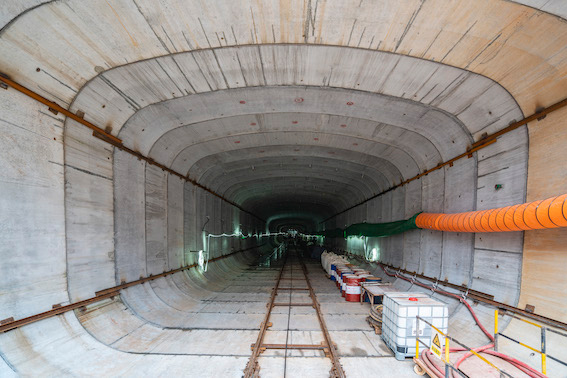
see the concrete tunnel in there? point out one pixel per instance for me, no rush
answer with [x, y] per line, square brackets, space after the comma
[133, 129]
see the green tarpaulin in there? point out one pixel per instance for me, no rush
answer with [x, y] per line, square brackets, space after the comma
[335, 233]
[373, 230]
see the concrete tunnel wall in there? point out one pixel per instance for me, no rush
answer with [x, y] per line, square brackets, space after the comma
[79, 216]
[112, 329]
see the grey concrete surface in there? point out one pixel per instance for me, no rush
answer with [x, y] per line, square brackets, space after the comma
[295, 110]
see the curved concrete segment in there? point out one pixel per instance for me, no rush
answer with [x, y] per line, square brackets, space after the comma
[294, 111]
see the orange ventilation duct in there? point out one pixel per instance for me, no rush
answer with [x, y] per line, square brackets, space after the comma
[549, 213]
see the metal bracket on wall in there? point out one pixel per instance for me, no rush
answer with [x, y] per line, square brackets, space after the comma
[485, 141]
[99, 133]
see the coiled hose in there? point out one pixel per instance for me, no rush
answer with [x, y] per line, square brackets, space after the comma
[375, 316]
[426, 354]
[376, 313]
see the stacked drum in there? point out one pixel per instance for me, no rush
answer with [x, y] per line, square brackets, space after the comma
[347, 277]
[352, 288]
[344, 272]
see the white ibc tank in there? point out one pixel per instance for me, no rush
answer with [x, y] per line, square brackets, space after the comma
[399, 320]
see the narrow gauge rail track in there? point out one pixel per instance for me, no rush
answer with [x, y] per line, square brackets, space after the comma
[252, 369]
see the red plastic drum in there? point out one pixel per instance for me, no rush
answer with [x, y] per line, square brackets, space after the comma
[352, 288]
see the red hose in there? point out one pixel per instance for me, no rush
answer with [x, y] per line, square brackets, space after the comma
[484, 349]
[468, 354]
[519, 364]
[433, 367]
[446, 293]
[426, 358]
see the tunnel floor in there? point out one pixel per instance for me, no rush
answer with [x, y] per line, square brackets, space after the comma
[361, 352]
[160, 329]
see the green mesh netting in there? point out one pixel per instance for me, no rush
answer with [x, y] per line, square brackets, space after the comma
[335, 233]
[373, 230]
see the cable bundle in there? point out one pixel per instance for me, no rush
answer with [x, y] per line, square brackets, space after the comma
[375, 318]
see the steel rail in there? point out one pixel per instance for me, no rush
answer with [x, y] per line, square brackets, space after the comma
[483, 142]
[111, 139]
[475, 295]
[10, 324]
[293, 304]
[337, 369]
[252, 366]
[292, 346]
[327, 346]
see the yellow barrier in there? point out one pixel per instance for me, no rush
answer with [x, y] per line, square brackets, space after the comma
[542, 352]
[448, 365]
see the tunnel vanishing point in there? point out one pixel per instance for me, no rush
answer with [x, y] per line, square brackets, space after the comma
[159, 157]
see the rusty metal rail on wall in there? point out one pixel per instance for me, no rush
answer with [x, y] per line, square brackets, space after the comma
[483, 142]
[10, 324]
[109, 138]
[473, 294]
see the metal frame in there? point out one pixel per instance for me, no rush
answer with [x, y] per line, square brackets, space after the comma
[543, 346]
[448, 365]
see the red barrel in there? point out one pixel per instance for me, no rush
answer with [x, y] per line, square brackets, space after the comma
[344, 272]
[352, 288]
[346, 277]
[338, 271]
[341, 269]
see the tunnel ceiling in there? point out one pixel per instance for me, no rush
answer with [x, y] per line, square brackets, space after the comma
[293, 110]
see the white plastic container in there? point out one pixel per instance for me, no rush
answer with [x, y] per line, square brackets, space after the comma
[399, 324]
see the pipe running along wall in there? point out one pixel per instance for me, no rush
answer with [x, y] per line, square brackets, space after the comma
[542, 214]
[548, 213]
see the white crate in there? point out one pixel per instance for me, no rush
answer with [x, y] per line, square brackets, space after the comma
[399, 320]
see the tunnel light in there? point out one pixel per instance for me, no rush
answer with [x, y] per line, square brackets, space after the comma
[203, 260]
[374, 254]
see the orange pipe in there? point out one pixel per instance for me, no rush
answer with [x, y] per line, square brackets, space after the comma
[500, 220]
[509, 219]
[558, 211]
[549, 213]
